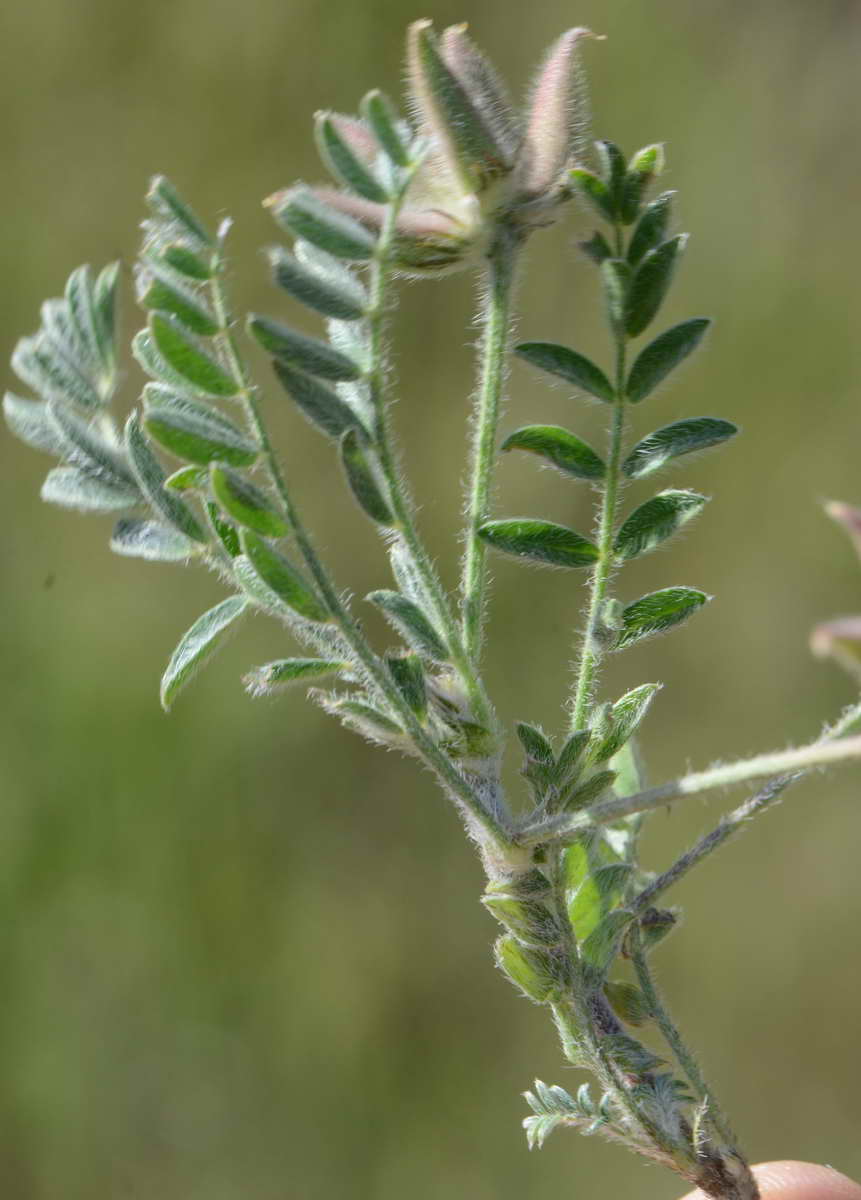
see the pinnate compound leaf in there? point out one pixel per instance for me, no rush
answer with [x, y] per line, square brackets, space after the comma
[275, 676]
[198, 438]
[655, 521]
[682, 437]
[300, 351]
[568, 365]
[348, 167]
[657, 612]
[662, 356]
[319, 403]
[71, 487]
[189, 359]
[364, 483]
[245, 502]
[151, 540]
[560, 447]
[540, 541]
[650, 284]
[151, 478]
[411, 623]
[340, 296]
[300, 212]
[206, 635]
[282, 578]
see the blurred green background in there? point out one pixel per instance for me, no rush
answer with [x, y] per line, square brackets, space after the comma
[242, 954]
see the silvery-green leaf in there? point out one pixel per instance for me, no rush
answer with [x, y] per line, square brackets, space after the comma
[348, 167]
[71, 487]
[189, 359]
[84, 446]
[80, 302]
[41, 364]
[161, 289]
[207, 634]
[31, 421]
[151, 477]
[186, 262]
[298, 350]
[655, 521]
[576, 796]
[283, 578]
[568, 365]
[365, 483]
[299, 211]
[320, 404]
[409, 620]
[336, 297]
[535, 744]
[274, 676]
[166, 204]
[378, 112]
[682, 437]
[560, 447]
[245, 502]
[198, 439]
[625, 718]
[224, 530]
[651, 229]
[658, 611]
[662, 356]
[105, 306]
[540, 541]
[408, 674]
[156, 365]
[616, 277]
[151, 540]
[650, 284]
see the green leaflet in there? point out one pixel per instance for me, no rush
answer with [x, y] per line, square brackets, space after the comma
[540, 541]
[31, 421]
[152, 540]
[568, 365]
[409, 620]
[166, 204]
[682, 437]
[366, 485]
[617, 279]
[333, 296]
[282, 578]
[655, 521]
[408, 674]
[274, 676]
[662, 356]
[348, 167]
[300, 212]
[650, 284]
[560, 447]
[651, 229]
[381, 118]
[71, 487]
[188, 358]
[245, 502]
[186, 262]
[624, 719]
[162, 289]
[300, 351]
[319, 403]
[592, 188]
[198, 438]
[151, 478]
[657, 612]
[198, 645]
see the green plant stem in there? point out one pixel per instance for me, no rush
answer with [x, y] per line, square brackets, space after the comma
[494, 347]
[401, 502]
[249, 397]
[818, 754]
[591, 649]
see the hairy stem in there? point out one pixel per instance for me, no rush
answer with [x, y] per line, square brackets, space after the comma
[248, 394]
[495, 340]
[398, 491]
[591, 650]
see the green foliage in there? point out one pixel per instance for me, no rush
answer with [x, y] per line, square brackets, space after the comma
[542, 542]
[568, 365]
[682, 437]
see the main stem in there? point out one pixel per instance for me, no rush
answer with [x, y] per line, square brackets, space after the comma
[401, 502]
[497, 320]
[591, 651]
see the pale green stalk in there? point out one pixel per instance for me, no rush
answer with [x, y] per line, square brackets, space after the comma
[249, 396]
[494, 347]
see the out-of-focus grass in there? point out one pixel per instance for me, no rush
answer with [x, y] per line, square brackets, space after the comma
[241, 952]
